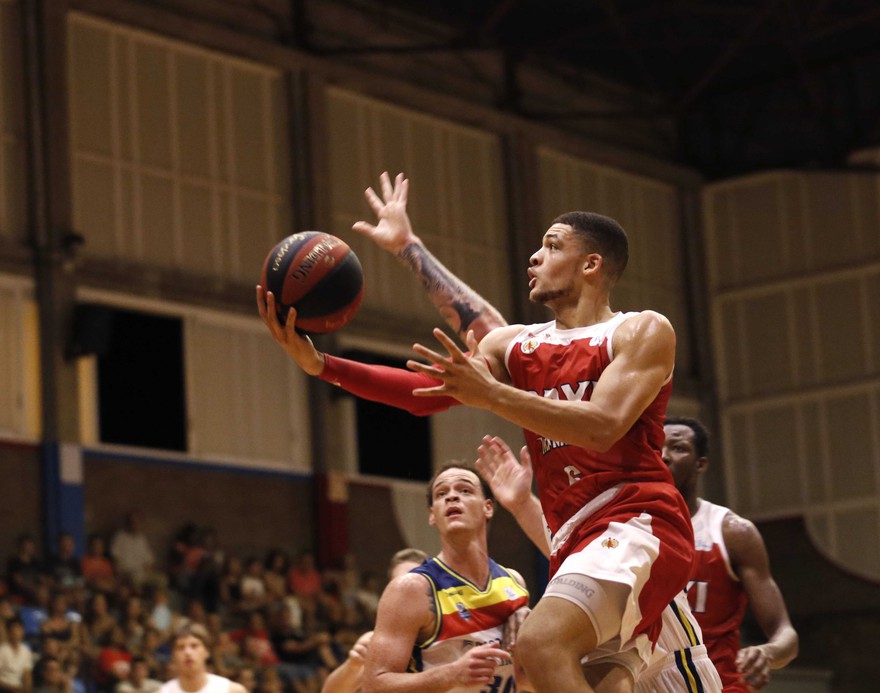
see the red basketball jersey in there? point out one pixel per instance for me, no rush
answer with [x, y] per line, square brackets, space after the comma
[565, 364]
[716, 595]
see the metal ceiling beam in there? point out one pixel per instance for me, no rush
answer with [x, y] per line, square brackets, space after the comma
[726, 57]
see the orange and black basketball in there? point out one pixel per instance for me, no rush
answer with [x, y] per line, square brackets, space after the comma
[319, 275]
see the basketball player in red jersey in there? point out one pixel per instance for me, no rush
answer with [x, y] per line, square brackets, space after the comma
[590, 390]
[190, 650]
[732, 569]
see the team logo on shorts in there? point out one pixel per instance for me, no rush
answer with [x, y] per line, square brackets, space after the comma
[610, 543]
[462, 611]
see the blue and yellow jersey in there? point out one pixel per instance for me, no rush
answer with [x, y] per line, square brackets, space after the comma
[467, 616]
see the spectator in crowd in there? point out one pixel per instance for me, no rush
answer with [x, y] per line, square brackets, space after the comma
[134, 622]
[50, 677]
[253, 588]
[64, 625]
[16, 660]
[24, 571]
[132, 554]
[34, 613]
[247, 678]
[156, 652]
[114, 661]
[97, 570]
[306, 658]
[275, 576]
[161, 615]
[230, 586]
[138, 680]
[64, 567]
[303, 578]
[99, 621]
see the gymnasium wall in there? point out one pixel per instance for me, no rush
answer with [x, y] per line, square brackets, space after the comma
[252, 512]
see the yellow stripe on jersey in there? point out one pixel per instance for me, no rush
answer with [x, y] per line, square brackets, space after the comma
[686, 625]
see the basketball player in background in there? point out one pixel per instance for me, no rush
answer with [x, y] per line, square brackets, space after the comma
[189, 657]
[731, 570]
[680, 662]
[623, 543]
[346, 678]
[440, 626]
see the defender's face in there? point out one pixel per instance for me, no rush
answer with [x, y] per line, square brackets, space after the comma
[555, 266]
[457, 501]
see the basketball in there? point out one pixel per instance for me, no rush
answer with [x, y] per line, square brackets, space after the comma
[319, 275]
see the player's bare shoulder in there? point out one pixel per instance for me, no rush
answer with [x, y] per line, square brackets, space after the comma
[409, 598]
[741, 538]
[235, 687]
[646, 332]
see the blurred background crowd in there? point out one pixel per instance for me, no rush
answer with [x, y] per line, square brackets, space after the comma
[102, 623]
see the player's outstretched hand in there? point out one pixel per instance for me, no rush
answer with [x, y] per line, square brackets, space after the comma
[393, 230]
[477, 666]
[509, 479]
[466, 377]
[298, 347]
[512, 626]
[754, 666]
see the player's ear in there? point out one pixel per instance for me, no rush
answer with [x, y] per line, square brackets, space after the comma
[488, 509]
[432, 521]
[702, 464]
[592, 262]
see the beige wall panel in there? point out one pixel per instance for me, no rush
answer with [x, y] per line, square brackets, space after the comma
[92, 104]
[13, 171]
[158, 228]
[852, 452]
[247, 403]
[199, 228]
[840, 331]
[856, 538]
[93, 180]
[455, 203]
[774, 460]
[153, 129]
[165, 131]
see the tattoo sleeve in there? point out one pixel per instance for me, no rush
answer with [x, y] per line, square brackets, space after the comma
[459, 305]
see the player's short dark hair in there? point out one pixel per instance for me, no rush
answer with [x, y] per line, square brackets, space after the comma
[602, 235]
[467, 466]
[192, 629]
[701, 433]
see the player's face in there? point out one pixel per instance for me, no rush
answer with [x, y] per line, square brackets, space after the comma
[190, 654]
[457, 501]
[680, 455]
[555, 267]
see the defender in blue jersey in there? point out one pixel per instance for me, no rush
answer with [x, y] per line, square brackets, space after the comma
[441, 627]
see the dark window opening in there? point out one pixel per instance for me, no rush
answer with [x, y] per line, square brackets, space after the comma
[391, 442]
[141, 391]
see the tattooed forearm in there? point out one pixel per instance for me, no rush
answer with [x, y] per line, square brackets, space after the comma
[459, 305]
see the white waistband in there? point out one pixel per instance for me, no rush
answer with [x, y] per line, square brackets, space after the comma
[572, 523]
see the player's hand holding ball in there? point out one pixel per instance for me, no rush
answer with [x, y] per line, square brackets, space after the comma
[312, 283]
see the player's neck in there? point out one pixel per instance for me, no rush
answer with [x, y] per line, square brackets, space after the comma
[589, 310]
[468, 559]
[193, 682]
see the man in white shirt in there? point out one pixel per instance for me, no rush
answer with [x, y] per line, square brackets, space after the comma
[16, 660]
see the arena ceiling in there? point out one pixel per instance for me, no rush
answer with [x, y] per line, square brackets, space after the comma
[746, 84]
